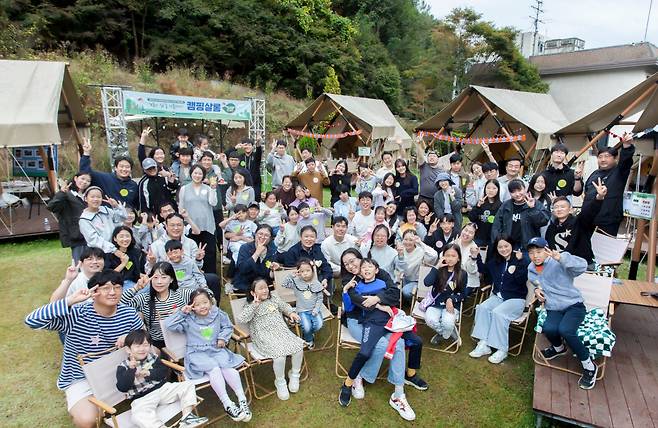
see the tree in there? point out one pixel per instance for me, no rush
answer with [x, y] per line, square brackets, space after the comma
[331, 84]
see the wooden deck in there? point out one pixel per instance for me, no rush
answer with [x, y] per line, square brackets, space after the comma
[628, 394]
[22, 226]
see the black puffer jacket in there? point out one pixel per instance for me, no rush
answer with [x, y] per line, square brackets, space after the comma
[67, 207]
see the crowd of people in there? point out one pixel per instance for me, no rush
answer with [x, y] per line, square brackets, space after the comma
[149, 249]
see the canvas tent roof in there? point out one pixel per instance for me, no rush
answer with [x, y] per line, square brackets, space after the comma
[371, 115]
[538, 112]
[33, 97]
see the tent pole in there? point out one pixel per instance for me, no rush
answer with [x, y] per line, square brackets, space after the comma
[500, 124]
[348, 122]
[313, 115]
[48, 164]
[76, 133]
[477, 124]
[451, 118]
[650, 90]
[636, 253]
[157, 132]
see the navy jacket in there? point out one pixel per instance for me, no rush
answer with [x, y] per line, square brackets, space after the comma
[247, 270]
[114, 187]
[67, 207]
[296, 252]
[508, 278]
[444, 293]
[389, 296]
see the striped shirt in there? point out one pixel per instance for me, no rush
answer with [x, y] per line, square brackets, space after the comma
[86, 332]
[176, 299]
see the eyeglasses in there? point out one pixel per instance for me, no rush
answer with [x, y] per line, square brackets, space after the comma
[106, 289]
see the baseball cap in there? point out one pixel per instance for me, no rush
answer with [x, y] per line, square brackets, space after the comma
[149, 163]
[538, 242]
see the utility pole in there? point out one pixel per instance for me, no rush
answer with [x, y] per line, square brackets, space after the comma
[535, 22]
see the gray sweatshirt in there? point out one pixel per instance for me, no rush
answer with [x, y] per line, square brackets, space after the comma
[279, 166]
[307, 294]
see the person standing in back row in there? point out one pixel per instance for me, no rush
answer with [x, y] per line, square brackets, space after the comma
[250, 160]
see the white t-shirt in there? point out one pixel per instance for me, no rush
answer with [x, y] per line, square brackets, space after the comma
[361, 224]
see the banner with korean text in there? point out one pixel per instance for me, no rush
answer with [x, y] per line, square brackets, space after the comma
[178, 106]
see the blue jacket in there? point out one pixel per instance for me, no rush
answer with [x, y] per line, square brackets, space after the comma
[362, 289]
[114, 187]
[509, 278]
[296, 252]
[556, 280]
[247, 270]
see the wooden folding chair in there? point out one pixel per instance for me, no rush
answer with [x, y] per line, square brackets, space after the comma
[608, 250]
[596, 294]
[421, 292]
[251, 354]
[288, 296]
[468, 306]
[101, 376]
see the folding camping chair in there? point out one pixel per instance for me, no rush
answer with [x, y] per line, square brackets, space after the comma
[251, 354]
[288, 296]
[608, 250]
[596, 294]
[101, 375]
[421, 291]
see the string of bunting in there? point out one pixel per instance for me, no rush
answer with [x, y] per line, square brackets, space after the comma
[324, 136]
[460, 140]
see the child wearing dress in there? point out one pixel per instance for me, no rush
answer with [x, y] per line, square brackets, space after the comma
[263, 313]
[208, 330]
[308, 293]
[143, 378]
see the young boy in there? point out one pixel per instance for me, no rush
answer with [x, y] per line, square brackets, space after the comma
[366, 181]
[363, 220]
[552, 274]
[445, 234]
[182, 141]
[238, 230]
[92, 261]
[317, 218]
[143, 377]
[187, 271]
[345, 202]
[182, 168]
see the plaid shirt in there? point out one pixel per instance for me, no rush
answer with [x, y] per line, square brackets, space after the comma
[141, 386]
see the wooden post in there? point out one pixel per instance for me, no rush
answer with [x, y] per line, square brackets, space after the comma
[338, 110]
[76, 133]
[653, 231]
[313, 115]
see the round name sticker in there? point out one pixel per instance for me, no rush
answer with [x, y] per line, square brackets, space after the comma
[268, 264]
[511, 269]
[439, 244]
[316, 179]
[561, 183]
[242, 163]
[123, 192]
[397, 184]
[204, 192]
[315, 221]
[307, 295]
[180, 275]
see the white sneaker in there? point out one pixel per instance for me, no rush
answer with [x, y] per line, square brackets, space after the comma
[357, 389]
[282, 389]
[293, 383]
[402, 406]
[228, 288]
[497, 357]
[480, 350]
[226, 260]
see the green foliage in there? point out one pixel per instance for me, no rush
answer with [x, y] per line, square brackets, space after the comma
[331, 84]
[307, 143]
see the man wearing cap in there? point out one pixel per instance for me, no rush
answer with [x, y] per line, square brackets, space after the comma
[448, 199]
[428, 169]
[154, 190]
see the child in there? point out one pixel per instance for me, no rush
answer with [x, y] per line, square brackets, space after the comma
[362, 220]
[444, 235]
[263, 313]
[288, 233]
[448, 198]
[143, 378]
[410, 222]
[187, 270]
[384, 192]
[448, 282]
[552, 274]
[270, 212]
[317, 218]
[182, 141]
[202, 146]
[238, 230]
[366, 181]
[208, 330]
[97, 222]
[380, 218]
[308, 293]
[345, 202]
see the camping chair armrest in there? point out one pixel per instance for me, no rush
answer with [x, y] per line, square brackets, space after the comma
[486, 287]
[174, 366]
[170, 354]
[239, 334]
[101, 405]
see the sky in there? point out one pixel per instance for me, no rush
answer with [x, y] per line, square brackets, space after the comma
[598, 22]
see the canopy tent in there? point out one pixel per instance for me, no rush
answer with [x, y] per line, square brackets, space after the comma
[370, 116]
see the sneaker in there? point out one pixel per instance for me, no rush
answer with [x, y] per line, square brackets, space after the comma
[233, 412]
[281, 389]
[245, 410]
[436, 339]
[588, 379]
[310, 345]
[345, 396]
[228, 288]
[497, 357]
[192, 420]
[481, 350]
[416, 381]
[293, 383]
[357, 389]
[550, 352]
[226, 260]
[402, 406]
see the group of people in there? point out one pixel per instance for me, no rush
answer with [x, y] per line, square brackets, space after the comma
[148, 250]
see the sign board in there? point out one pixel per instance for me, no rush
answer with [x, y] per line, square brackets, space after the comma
[364, 151]
[177, 106]
[639, 205]
[31, 162]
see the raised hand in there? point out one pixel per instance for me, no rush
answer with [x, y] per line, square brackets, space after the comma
[518, 254]
[554, 254]
[202, 252]
[529, 200]
[400, 249]
[475, 251]
[552, 196]
[150, 257]
[578, 173]
[433, 227]
[539, 294]
[111, 201]
[186, 309]
[481, 201]
[81, 295]
[145, 133]
[601, 189]
[350, 284]
[86, 147]
[142, 281]
[72, 272]
[183, 212]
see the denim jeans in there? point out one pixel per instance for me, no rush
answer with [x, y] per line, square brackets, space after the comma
[408, 290]
[310, 325]
[492, 320]
[370, 370]
[564, 325]
[441, 321]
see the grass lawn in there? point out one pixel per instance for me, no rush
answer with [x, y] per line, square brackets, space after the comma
[463, 391]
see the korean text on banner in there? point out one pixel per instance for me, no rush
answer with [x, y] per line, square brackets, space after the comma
[183, 107]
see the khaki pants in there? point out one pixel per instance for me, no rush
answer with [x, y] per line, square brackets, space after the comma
[144, 412]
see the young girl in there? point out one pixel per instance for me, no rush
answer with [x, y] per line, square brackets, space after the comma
[270, 212]
[285, 193]
[380, 218]
[338, 178]
[444, 234]
[384, 192]
[508, 272]
[128, 264]
[365, 179]
[448, 282]
[97, 222]
[484, 212]
[415, 254]
[388, 259]
[208, 330]
[308, 294]
[393, 220]
[288, 233]
[410, 222]
[263, 313]
[303, 195]
[240, 192]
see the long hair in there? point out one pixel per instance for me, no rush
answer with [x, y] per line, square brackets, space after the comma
[244, 173]
[375, 230]
[444, 274]
[252, 287]
[355, 253]
[495, 182]
[121, 228]
[72, 185]
[501, 237]
[167, 269]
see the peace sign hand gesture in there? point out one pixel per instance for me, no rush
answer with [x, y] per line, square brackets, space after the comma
[202, 252]
[433, 227]
[72, 272]
[601, 189]
[553, 253]
[81, 295]
[578, 173]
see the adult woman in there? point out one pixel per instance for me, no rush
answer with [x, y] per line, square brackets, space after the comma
[240, 190]
[410, 222]
[475, 187]
[537, 187]
[415, 253]
[198, 200]
[285, 193]
[302, 195]
[255, 259]
[67, 205]
[389, 260]
[97, 222]
[484, 212]
[508, 272]
[406, 186]
[425, 213]
[340, 176]
[470, 253]
[384, 192]
[128, 263]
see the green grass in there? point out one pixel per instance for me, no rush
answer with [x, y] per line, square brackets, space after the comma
[463, 391]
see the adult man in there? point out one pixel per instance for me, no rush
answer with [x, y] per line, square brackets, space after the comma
[333, 246]
[312, 179]
[428, 170]
[560, 179]
[512, 171]
[614, 175]
[279, 163]
[154, 190]
[251, 159]
[90, 328]
[307, 248]
[387, 166]
[118, 185]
